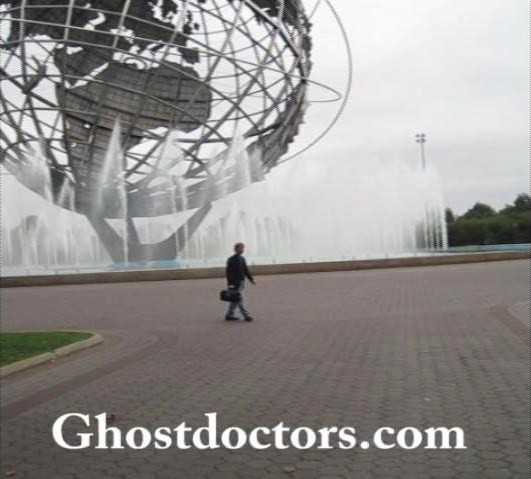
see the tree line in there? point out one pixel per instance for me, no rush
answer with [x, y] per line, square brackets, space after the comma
[483, 225]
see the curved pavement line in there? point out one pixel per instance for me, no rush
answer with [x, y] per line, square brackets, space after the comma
[519, 329]
[30, 402]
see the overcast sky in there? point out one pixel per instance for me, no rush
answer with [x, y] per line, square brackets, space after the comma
[455, 70]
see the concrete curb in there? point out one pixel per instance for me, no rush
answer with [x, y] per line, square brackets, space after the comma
[273, 269]
[47, 357]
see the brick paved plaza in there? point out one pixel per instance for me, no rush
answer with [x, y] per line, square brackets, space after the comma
[441, 346]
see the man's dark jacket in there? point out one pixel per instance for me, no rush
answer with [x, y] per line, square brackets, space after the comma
[237, 271]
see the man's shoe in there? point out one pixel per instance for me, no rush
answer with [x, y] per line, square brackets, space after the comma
[249, 318]
[231, 318]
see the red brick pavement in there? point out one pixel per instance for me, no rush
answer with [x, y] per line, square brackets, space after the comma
[441, 346]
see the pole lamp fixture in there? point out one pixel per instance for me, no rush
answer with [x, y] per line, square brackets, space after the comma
[421, 140]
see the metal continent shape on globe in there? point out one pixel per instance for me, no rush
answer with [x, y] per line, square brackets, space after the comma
[145, 98]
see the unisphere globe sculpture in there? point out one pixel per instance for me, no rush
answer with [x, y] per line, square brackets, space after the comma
[141, 108]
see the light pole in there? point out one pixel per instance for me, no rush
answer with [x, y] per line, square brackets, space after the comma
[428, 244]
[421, 140]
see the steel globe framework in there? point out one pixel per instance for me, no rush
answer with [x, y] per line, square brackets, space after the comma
[78, 76]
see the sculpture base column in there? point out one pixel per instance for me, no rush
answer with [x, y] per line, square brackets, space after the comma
[135, 251]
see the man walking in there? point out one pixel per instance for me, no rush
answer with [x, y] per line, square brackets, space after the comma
[236, 272]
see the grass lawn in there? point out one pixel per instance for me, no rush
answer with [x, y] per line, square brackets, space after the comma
[17, 346]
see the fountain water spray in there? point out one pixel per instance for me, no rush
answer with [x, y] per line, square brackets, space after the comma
[352, 211]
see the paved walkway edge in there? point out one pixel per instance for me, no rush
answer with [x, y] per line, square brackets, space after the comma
[296, 268]
[46, 357]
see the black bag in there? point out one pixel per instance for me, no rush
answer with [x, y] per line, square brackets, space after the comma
[230, 296]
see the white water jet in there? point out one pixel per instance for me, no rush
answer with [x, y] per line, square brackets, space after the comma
[111, 187]
[324, 212]
[336, 214]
